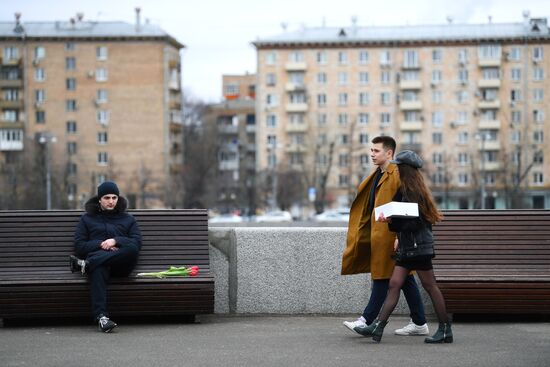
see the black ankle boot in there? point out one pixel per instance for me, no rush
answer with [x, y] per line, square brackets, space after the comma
[444, 334]
[379, 326]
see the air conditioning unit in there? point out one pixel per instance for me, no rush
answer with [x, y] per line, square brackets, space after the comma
[91, 73]
[536, 61]
[464, 82]
[38, 104]
[36, 62]
[476, 112]
[512, 103]
[506, 56]
[452, 124]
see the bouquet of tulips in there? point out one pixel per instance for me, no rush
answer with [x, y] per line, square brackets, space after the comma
[173, 271]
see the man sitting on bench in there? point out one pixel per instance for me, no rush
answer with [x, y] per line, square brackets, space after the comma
[107, 242]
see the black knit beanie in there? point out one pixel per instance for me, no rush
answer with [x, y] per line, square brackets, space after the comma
[107, 188]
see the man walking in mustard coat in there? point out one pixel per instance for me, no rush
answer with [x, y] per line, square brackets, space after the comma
[370, 243]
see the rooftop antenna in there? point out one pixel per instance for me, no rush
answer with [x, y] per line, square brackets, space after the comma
[18, 26]
[80, 16]
[450, 19]
[354, 20]
[138, 19]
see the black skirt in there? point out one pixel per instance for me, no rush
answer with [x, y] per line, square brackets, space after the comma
[419, 263]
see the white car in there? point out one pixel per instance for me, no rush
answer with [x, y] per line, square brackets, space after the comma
[226, 218]
[275, 216]
[333, 215]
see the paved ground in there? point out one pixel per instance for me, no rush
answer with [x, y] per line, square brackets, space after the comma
[271, 341]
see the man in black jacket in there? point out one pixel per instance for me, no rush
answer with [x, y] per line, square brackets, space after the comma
[107, 242]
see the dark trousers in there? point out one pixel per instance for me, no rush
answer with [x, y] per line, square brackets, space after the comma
[102, 266]
[378, 296]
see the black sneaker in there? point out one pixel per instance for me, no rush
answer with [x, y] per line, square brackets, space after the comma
[106, 324]
[77, 265]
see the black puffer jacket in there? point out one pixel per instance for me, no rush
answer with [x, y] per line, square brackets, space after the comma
[96, 226]
[411, 232]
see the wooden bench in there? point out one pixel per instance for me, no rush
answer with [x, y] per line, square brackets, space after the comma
[494, 261]
[35, 279]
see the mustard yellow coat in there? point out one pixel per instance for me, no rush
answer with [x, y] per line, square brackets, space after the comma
[369, 243]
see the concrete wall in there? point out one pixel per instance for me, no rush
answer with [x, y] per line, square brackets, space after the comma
[282, 270]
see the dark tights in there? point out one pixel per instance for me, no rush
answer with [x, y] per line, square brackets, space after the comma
[427, 278]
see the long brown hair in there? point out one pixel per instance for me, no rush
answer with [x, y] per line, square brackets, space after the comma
[414, 189]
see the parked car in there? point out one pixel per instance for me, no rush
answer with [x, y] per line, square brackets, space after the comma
[226, 218]
[275, 216]
[333, 215]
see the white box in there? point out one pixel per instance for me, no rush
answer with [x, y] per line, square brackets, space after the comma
[397, 209]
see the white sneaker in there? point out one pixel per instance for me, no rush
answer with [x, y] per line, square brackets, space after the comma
[353, 324]
[413, 329]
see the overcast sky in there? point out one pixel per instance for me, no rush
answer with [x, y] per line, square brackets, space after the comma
[217, 33]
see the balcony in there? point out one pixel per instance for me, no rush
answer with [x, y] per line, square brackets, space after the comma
[175, 104]
[250, 147]
[229, 165]
[489, 105]
[410, 84]
[489, 124]
[11, 61]
[296, 107]
[11, 83]
[5, 124]
[174, 84]
[482, 63]
[296, 148]
[410, 105]
[176, 168]
[228, 129]
[410, 66]
[176, 117]
[489, 83]
[296, 128]
[411, 126]
[11, 104]
[492, 166]
[250, 128]
[415, 147]
[489, 145]
[11, 139]
[294, 87]
[295, 66]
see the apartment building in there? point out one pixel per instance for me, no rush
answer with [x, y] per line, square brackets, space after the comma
[470, 98]
[235, 123]
[92, 101]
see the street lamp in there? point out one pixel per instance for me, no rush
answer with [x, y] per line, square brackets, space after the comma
[45, 139]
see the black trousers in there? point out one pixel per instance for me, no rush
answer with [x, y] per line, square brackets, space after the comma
[102, 266]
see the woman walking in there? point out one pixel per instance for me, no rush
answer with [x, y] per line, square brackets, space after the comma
[414, 249]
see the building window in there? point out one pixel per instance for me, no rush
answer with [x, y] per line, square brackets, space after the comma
[70, 46]
[101, 75]
[437, 56]
[343, 160]
[538, 95]
[436, 76]
[538, 74]
[515, 116]
[321, 100]
[538, 136]
[363, 78]
[437, 96]
[490, 73]
[39, 95]
[410, 59]
[271, 141]
[514, 54]
[538, 115]
[102, 137]
[296, 158]
[101, 53]
[385, 118]
[363, 118]
[296, 118]
[342, 58]
[489, 52]
[437, 119]
[411, 116]
[102, 116]
[410, 96]
[71, 148]
[385, 58]
[71, 127]
[11, 115]
[515, 137]
[462, 96]
[363, 138]
[462, 117]
[463, 159]
[271, 79]
[297, 98]
[296, 56]
[437, 138]
[11, 53]
[363, 98]
[102, 158]
[11, 94]
[70, 63]
[537, 53]
[271, 100]
[515, 74]
[342, 99]
[363, 57]
[271, 160]
[342, 78]
[271, 121]
[385, 98]
[102, 96]
[463, 56]
[40, 117]
[271, 58]
[344, 139]
[515, 95]
[321, 57]
[72, 168]
[463, 179]
[321, 78]
[385, 77]
[538, 157]
[463, 76]
[70, 105]
[538, 178]
[343, 180]
[342, 119]
[39, 53]
[437, 158]
[39, 75]
[70, 83]
[321, 119]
